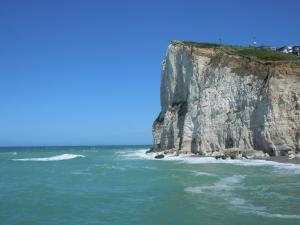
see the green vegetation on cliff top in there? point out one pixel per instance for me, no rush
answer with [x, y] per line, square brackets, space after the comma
[246, 51]
[266, 55]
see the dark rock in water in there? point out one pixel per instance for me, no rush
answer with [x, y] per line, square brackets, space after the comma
[159, 156]
[150, 150]
[220, 157]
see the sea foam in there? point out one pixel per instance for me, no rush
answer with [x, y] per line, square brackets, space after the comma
[191, 159]
[246, 207]
[225, 188]
[136, 154]
[53, 158]
[224, 184]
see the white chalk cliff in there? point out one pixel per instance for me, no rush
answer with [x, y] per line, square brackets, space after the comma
[213, 101]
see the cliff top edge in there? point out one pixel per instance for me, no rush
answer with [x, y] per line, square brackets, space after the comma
[252, 52]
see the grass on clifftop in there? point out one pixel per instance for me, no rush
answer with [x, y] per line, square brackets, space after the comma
[266, 55]
[202, 44]
[247, 51]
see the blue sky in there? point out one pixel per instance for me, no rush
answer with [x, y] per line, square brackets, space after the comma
[88, 72]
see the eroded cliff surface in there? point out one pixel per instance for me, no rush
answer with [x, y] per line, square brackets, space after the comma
[214, 101]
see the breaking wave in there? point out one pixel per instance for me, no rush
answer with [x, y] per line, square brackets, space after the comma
[224, 184]
[198, 173]
[53, 158]
[192, 159]
[276, 215]
[136, 154]
[225, 188]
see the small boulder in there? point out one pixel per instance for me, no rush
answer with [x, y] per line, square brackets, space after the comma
[150, 150]
[292, 156]
[239, 156]
[257, 154]
[232, 157]
[160, 156]
[220, 157]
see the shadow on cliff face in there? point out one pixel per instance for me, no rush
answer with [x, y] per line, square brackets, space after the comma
[181, 118]
[257, 122]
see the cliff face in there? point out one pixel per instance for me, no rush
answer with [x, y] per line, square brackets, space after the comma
[213, 101]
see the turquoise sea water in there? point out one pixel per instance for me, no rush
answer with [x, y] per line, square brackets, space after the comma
[121, 185]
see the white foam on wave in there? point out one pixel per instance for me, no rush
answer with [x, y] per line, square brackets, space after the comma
[224, 184]
[276, 215]
[80, 173]
[136, 154]
[228, 183]
[191, 159]
[225, 187]
[196, 173]
[244, 162]
[246, 207]
[199, 173]
[53, 158]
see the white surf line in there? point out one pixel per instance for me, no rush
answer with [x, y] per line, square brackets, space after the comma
[225, 188]
[191, 159]
[53, 158]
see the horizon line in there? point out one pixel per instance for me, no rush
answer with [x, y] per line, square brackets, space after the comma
[57, 146]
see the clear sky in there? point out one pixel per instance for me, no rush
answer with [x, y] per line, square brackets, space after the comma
[88, 72]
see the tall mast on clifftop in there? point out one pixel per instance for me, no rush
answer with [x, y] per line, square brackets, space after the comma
[220, 40]
[254, 41]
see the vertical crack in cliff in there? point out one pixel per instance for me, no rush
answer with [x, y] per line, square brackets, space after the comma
[181, 118]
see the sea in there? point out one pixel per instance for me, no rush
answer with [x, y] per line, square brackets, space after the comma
[121, 185]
